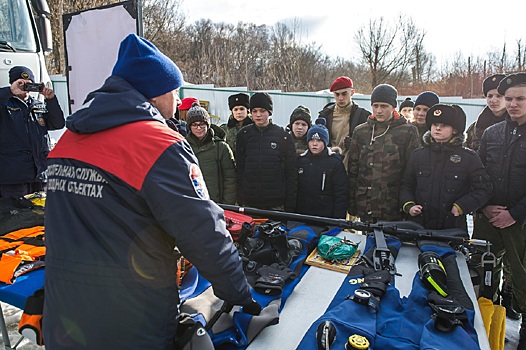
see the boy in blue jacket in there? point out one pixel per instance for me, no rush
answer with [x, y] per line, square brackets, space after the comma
[323, 188]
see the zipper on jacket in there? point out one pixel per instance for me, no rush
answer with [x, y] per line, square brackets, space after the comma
[323, 181]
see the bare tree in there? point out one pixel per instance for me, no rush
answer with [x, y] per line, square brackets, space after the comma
[262, 57]
[521, 55]
[389, 50]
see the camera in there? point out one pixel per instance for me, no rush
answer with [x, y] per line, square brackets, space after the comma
[34, 87]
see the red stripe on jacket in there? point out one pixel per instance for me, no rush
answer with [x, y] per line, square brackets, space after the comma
[127, 151]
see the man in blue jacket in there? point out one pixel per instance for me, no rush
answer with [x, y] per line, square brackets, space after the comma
[124, 190]
[24, 138]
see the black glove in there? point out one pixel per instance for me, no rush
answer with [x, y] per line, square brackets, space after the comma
[377, 282]
[347, 142]
[253, 308]
[272, 279]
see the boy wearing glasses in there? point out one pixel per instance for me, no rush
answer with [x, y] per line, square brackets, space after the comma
[215, 156]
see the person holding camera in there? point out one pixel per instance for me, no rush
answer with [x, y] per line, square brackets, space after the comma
[24, 138]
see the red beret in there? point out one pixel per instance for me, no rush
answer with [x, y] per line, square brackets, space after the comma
[186, 103]
[341, 83]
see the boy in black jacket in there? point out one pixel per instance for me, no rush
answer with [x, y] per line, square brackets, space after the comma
[444, 181]
[265, 160]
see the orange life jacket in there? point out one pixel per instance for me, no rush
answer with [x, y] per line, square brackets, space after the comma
[22, 251]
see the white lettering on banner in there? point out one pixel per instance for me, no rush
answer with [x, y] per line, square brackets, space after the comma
[61, 179]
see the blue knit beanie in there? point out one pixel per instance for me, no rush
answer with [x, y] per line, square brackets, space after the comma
[319, 131]
[427, 98]
[146, 68]
[20, 72]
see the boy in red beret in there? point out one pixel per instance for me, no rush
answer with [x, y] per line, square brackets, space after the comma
[343, 115]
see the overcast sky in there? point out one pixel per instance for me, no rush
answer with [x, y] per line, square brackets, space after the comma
[452, 26]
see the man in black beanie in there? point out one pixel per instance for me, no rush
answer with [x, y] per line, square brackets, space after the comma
[265, 160]
[379, 151]
[423, 102]
[121, 186]
[24, 139]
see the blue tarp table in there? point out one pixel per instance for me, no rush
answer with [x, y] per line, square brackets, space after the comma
[16, 294]
[315, 291]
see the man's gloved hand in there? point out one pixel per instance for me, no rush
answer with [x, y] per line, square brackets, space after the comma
[253, 308]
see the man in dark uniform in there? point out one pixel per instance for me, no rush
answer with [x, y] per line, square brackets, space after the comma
[502, 221]
[24, 138]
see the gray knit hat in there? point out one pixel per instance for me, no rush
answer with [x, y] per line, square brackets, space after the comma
[384, 93]
[197, 114]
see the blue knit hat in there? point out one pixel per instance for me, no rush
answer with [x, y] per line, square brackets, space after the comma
[146, 68]
[319, 131]
[427, 98]
[20, 72]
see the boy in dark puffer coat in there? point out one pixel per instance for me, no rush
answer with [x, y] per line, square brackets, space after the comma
[323, 188]
[444, 181]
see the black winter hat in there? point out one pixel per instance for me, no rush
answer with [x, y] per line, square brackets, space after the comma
[511, 81]
[301, 113]
[447, 114]
[384, 93]
[427, 98]
[20, 72]
[406, 103]
[240, 99]
[261, 100]
[491, 82]
[197, 114]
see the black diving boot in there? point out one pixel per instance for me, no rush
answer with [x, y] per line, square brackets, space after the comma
[522, 334]
[507, 298]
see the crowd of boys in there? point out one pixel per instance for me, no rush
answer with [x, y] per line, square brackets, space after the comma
[387, 164]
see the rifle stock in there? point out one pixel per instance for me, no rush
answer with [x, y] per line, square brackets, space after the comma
[405, 230]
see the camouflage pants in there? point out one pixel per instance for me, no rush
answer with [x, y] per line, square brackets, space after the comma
[512, 242]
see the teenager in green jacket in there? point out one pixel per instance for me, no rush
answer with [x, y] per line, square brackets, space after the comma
[216, 159]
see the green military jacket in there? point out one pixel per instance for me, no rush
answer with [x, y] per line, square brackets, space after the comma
[231, 129]
[378, 155]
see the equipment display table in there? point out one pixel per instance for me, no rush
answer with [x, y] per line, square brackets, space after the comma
[315, 291]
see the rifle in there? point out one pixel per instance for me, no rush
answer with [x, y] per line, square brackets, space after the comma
[405, 230]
